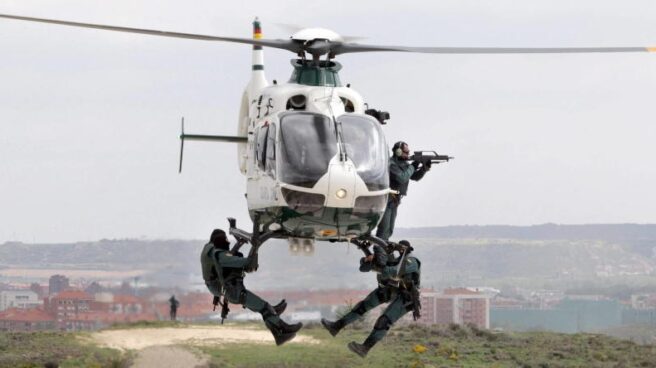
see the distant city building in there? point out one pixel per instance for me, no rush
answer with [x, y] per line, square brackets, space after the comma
[38, 289]
[57, 283]
[487, 290]
[458, 305]
[67, 306]
[15, 319]
[126, 304]
[643, 301]
[22, 299]
[93, 288]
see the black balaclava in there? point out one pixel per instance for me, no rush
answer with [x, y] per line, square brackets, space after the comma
[219, 239]
[407, 245]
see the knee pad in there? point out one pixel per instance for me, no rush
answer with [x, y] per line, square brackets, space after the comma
[359, 309]
[383, 323]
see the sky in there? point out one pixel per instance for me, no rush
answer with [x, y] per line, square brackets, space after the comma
[89, 119]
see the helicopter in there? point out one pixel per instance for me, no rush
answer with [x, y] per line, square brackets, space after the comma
[313, 153]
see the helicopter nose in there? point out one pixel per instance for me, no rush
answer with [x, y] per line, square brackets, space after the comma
[341, 185]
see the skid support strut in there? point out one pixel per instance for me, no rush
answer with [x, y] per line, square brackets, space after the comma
[364, 242]
[255, 239]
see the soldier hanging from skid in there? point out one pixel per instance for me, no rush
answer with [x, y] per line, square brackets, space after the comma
[398, 285]
[224, 276]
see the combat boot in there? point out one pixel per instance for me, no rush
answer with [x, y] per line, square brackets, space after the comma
[332, 327]
[282, 332]
[360, 349]
[280, 307]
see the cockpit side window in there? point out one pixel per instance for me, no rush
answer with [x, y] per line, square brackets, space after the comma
[261, 149]
[270, 162]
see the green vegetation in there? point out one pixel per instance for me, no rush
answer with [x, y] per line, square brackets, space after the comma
[452, 346]
[36, 349]
[409, 346]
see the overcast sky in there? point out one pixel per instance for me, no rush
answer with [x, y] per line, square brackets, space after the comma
[89, 120]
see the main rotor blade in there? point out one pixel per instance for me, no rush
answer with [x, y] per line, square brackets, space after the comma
[353, 47]
[279, 44]
[336, 48]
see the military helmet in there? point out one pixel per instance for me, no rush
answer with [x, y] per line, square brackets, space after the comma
[406, 245]
[219, 239]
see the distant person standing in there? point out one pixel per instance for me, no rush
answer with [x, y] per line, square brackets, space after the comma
[174, 304]
[400, 172]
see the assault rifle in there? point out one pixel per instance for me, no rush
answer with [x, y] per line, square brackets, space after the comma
[427, 158]
[224, 306]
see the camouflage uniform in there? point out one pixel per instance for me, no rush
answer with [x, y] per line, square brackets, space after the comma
[401, 172]
[388, 291]
[223, 273]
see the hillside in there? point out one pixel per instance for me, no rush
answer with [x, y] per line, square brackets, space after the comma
[555, 256]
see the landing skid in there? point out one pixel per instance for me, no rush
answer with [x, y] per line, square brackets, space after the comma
[366, 241]
[255, 239]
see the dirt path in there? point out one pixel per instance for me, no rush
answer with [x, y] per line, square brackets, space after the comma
[157, 346]
[168, 356]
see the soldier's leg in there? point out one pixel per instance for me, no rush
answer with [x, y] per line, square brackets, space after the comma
[392, 313]
[374, 299]
[282, 332]
[238, 294]
[392, 221]
[383, 230]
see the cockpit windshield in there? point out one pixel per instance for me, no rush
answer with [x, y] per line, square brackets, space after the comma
[365, 146]
[308, 144]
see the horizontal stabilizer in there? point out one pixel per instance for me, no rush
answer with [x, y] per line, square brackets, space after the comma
[207, 138]
[214, 138]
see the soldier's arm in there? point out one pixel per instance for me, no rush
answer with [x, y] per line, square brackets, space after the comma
[401, 175]
[365, 266]
[226, 259]
[418, 174]
[410, 267]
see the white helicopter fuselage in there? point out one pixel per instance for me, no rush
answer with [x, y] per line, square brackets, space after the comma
[305, 159]
[316, 165]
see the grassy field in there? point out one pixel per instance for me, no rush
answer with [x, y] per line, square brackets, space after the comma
[36, 349]
[451, 346]
[410, 346]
